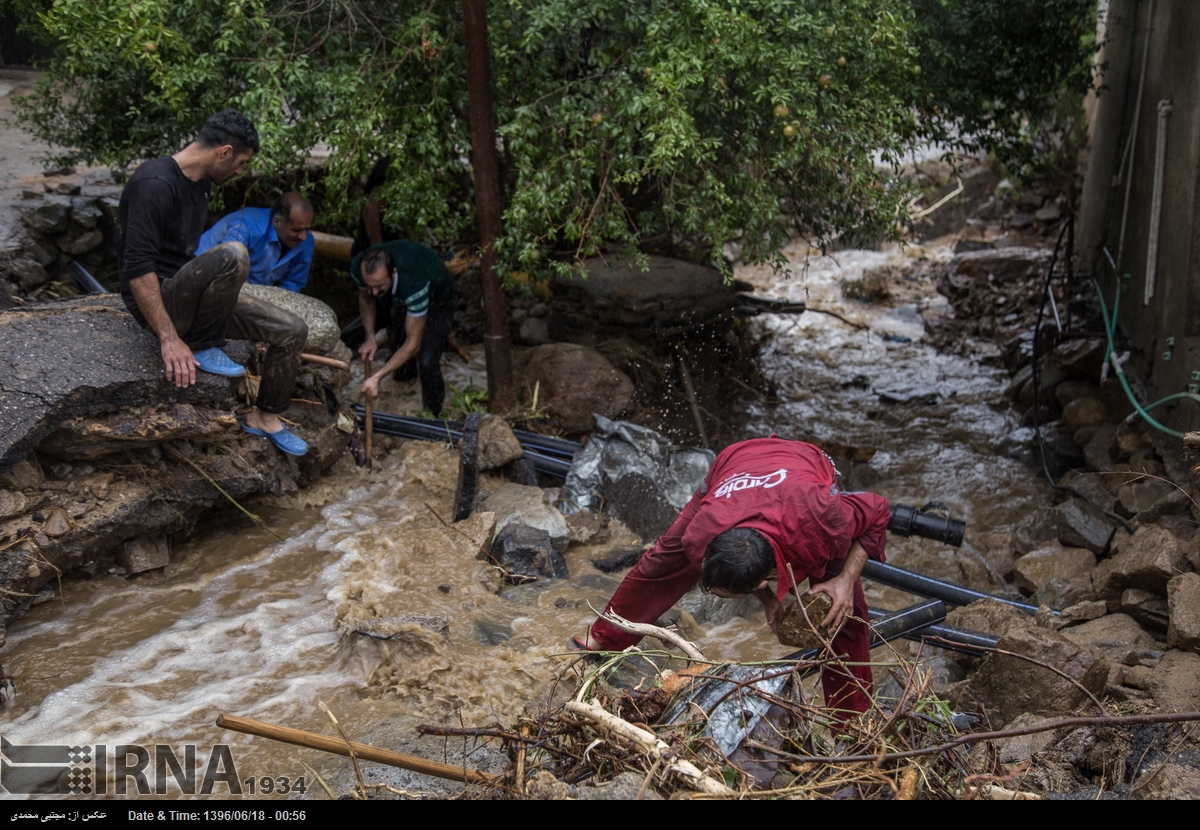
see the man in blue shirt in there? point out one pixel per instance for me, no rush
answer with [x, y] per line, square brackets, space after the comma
[280, 246]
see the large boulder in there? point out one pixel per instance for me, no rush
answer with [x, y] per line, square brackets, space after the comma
[1183, 596]
[1040, 566]
[324, 334]
[1118, 637]
[1007, 686]
[571, 383]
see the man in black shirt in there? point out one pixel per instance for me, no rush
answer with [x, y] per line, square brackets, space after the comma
[192, 303]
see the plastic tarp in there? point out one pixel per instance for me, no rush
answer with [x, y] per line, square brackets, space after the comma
[618, 448]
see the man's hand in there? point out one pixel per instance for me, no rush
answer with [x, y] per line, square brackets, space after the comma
[367, 350]
[840, 588]
[179, 362]
[370, 387]
[772, 607]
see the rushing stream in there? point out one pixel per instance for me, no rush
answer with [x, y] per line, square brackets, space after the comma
[246, 624]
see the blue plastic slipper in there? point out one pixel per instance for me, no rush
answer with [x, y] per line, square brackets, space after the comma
[286, 440]
[216, 362]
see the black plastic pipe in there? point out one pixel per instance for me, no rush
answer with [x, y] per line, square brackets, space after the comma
[84, 279]
[889, 625]
[926, 586]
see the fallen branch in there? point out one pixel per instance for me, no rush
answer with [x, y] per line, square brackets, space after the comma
[299, 737]
[646, 630]
[649, 744]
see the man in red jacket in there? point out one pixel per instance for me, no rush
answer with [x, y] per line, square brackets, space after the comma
[768, 504]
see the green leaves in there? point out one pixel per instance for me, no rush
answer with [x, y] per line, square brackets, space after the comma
[622, 124]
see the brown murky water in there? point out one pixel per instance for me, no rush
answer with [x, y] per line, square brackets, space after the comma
[242, 623]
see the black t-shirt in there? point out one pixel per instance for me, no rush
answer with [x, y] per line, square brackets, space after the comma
[159, 221]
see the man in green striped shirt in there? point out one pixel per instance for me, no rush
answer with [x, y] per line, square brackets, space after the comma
[407, 285]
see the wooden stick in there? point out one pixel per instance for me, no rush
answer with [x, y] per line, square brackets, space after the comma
[646, 630]
[324, 743]
[651, 745]
[325, 361]
[369, 411]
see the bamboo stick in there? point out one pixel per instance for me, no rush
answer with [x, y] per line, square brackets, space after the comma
[299, 737]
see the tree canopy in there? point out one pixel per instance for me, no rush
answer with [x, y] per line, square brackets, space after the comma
[622, 124]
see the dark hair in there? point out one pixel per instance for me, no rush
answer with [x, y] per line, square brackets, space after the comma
[737, 561]
[372, 258]
[289, 202]
[228, 127]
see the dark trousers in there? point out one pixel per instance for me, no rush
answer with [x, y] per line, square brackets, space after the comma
[429, 356]
[205, 303]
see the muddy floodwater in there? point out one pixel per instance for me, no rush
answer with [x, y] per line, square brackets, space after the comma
[246, 624]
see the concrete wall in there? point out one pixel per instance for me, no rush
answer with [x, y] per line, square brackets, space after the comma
[1151, 57]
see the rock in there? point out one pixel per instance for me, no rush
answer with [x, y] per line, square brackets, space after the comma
[1183, 598]
[534, 331]
[24, 474]
[1060, 593]
[1084, 412]
[1039, 566]
[323, 331]
[498, 445]
[1097, 452]
[530, 506]
[794, 628]
[1151, 499]
[527, 551]
[1083, 525]
[1080, 358]
[77, 241]
[407, 627]
[1147, 560]
[573, 382]
[480, 529]
[1062, 453]
[57, 523]
[1116, 636]
[85, 212]
[1150, 610]
[1037, 529]
[988, 616]
[28, 273]
[468, 468]
[48, 216]
[625, 787]
[1007, 687]
[1020, 220]
[144, 554]
[1050, 213]
[1084, 611]
[1167, 782]
[12, 504]
[87, 438]
[1174, 681]
[1020, 749]
[42, 251]
[710, 609]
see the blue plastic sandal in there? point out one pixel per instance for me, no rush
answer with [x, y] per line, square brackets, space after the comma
[216, 362]
[286, 440]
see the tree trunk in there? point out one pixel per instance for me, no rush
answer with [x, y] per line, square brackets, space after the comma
[497, 347]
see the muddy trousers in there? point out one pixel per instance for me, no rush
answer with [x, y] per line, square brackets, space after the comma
[205, 303]
[660, 578]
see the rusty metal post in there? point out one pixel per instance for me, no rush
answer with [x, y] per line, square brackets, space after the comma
[484, 166]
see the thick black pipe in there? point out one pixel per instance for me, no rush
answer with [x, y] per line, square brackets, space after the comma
[927, 587]
[890, 625]
[438, 429]
[961, 640]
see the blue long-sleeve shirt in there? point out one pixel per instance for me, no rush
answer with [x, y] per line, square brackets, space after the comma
[270, 264]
